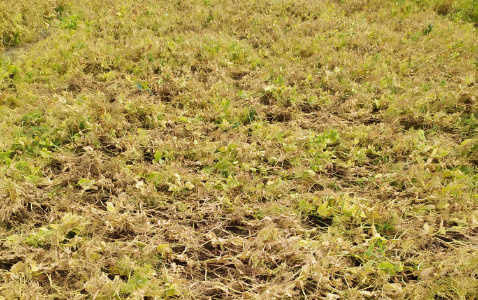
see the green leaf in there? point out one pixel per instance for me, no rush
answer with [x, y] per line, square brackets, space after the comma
[387, 267]
[87, 184]
[421, 135]
[157, 156]
[84, 181]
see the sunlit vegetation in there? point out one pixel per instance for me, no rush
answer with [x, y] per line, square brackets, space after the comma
[238, 149]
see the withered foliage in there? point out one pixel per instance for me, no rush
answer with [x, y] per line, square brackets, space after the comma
[238, 150]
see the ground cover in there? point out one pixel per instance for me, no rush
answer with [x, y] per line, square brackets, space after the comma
[238, 150]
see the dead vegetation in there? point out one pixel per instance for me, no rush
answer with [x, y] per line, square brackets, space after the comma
[238, 150]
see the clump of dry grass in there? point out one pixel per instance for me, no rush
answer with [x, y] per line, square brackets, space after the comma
[27, 21]
[263, 150]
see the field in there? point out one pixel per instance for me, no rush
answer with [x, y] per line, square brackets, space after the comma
[281, 149]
